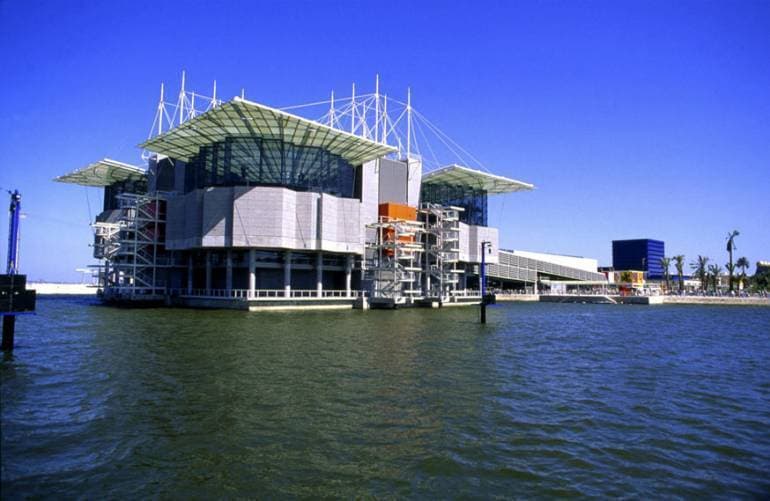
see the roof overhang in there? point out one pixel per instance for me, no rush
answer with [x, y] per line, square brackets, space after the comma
[458, 175]
[240, 118]
[103, 173]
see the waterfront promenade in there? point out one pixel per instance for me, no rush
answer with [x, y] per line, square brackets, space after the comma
[649, 300]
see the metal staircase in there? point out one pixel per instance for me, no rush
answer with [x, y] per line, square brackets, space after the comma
[442, 229]
[134, 248]
[394, 267]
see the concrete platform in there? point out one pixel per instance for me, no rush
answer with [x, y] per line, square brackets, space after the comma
[264, 304]
[47, 288]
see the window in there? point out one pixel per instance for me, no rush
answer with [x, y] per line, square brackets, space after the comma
[474, 201]
[254, 161]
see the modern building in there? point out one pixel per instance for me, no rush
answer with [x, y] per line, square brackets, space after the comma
[242, 205]
[642, 254]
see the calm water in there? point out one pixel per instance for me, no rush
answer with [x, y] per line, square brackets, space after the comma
[546, 399]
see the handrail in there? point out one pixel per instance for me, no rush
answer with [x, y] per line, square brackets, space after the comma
[247, 294]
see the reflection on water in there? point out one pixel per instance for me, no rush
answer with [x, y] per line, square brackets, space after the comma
[546, 399]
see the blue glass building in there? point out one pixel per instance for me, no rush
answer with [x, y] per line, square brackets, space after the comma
[643, 254]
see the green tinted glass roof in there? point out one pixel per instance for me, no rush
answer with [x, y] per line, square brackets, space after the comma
[240, 117]
[103, 173]
[458, 175]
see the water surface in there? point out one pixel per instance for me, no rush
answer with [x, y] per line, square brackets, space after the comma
[546, 399]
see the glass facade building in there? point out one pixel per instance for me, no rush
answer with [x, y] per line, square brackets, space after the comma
[642, 254]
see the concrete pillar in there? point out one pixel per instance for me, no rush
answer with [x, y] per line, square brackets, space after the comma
[208, 271]
[287, 274]
[190, 273]
[252, 272]
[229, 271]
[319, 274]
[106, 277]
[348, 274]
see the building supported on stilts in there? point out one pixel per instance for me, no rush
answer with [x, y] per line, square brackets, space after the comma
[245, 206]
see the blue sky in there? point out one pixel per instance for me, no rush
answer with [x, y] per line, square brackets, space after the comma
[634, 119]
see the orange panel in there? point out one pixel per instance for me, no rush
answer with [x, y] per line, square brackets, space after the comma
[398, 211]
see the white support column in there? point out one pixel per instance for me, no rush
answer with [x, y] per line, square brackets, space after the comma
[190, 273]
[287, 274]
[208, 272]
[408, 123]
[348, 274]
[252, 272]
[377, 108]
[229, 271]
[319, 274]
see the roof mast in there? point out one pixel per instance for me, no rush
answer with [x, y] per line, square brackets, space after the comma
[408, 122]
[385, 119]
[353, 110]
[181, 100]
[161, 109]
[376, 106]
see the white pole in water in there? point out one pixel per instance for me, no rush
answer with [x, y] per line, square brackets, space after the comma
[181, 100]
[376, 106]
[408, 122]
[353, 110]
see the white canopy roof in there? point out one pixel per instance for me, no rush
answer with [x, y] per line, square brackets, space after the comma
[240, 117]
[458, 175]
[103, 173]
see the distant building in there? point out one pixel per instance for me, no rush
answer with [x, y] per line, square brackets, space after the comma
[639, 254]
[762, 267]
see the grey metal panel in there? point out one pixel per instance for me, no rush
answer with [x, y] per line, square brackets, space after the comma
[152, 174]
[393, 181]
[512, 266]
[414, 182]
[194, 219]
[217, 217]
[370, 182]
[179, 172]
[175, 219]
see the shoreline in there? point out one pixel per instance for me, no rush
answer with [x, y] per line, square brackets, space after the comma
[62, 289]
[646, 300]
[54, 289]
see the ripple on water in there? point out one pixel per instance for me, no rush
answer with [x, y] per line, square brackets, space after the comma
[544, 401]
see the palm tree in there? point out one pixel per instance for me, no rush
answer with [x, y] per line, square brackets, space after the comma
[665, 262]
[715, 270]
[731, 270]
[700, 267]
[679, 265]
[730, 248]
[744, 265]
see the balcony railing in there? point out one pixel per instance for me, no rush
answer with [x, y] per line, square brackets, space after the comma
[247, 295]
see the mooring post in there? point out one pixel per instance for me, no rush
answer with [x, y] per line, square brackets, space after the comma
[9, 326]
[483, 281]
[14, 298]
